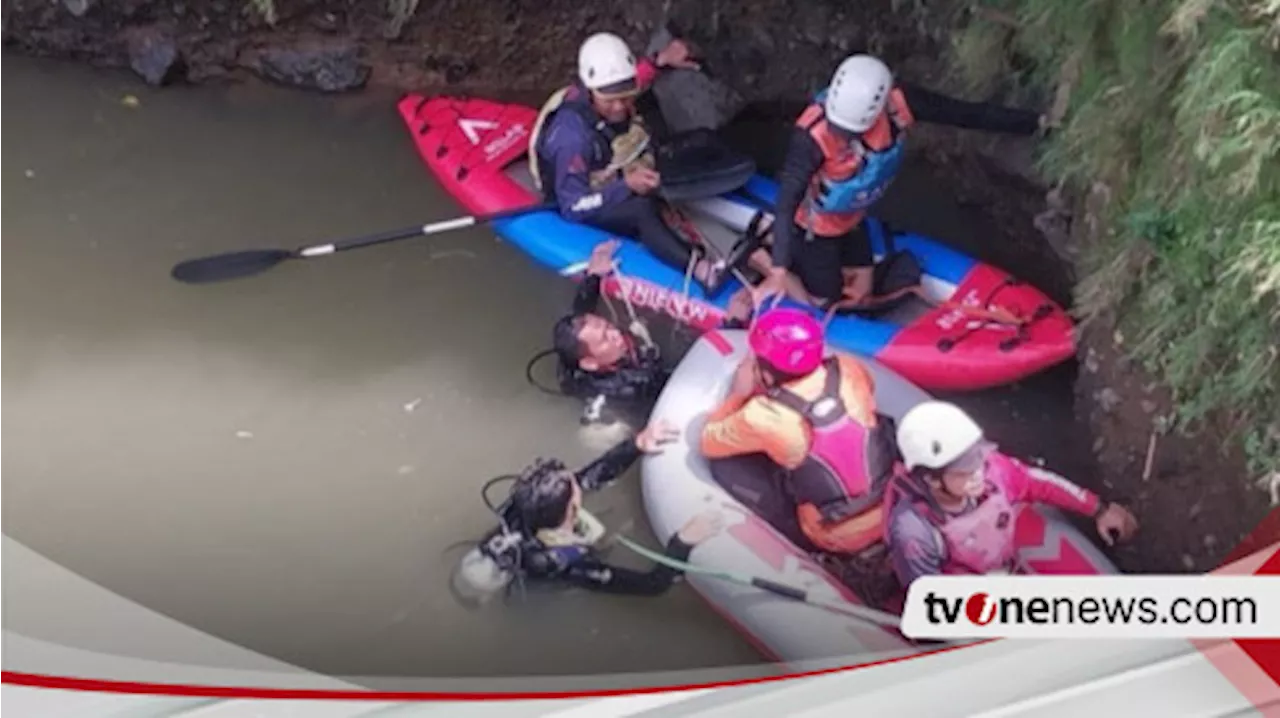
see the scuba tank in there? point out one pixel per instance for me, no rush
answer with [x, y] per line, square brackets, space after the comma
[506, 553]
[490, 566]
[478, 578]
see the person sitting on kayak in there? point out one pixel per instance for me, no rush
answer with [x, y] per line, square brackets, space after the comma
[955, 512]
[592, 153]
[845, 150]
[816, 418]
[602, 363]
[547, 535]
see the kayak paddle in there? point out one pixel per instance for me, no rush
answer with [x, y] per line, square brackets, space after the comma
[246, 263]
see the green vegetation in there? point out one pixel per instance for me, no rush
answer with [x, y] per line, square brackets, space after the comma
[1171, 111]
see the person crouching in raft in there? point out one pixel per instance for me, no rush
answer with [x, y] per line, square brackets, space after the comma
[547, 535]
[845, 151]
[816, 418]
[955, 512]
[593, 155]
[602, 363]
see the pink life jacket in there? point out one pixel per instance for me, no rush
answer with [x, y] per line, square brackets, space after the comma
[979, 541]
[848, 464]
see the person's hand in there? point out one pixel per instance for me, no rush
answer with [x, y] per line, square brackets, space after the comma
[601, 261]
[773, 285]
[1116, 518]
[744, 378]
[701, 527]
[641, 179]
[656, 435]
[676, 54]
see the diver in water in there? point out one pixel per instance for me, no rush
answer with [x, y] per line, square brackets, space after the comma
[602, 363]
[545, 533]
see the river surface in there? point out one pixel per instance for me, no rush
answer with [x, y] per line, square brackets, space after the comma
[290, 461]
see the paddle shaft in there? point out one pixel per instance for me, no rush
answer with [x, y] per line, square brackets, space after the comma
[428, 229]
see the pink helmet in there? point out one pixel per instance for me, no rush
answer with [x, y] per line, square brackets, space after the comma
[789, 340]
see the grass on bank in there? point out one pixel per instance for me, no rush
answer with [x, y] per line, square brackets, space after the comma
[1174, 110]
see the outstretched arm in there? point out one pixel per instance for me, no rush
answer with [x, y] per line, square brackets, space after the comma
[1031, 484]
[802, 161]
[587, 298]
[610, 466]
[596, 575]
[933, 107]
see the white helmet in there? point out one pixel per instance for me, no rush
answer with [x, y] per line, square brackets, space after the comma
[934, 434]
[605, 60]
[858, 92]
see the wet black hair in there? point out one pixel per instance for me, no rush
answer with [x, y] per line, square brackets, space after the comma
[565, 338]
[541, 495]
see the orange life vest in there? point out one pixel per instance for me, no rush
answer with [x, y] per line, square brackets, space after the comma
[854, 174]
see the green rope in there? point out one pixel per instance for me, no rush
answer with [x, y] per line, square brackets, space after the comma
[864, 613]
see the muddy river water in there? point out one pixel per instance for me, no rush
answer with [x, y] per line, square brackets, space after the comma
[289, 461]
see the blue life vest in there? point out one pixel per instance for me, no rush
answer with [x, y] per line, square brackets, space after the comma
[869, 183]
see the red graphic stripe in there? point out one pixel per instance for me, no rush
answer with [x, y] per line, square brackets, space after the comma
[718, 341]
[1242, 663]
[36, 680]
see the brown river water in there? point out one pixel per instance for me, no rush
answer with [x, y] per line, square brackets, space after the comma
[289, 462]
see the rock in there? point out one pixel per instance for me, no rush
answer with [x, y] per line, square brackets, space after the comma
[79, 7]
[333, 67]
[1108, 399]
[153, 54]
[1210, 541]
[1188, 562]
[690, 99]
[1091, 361]
[325, 22]
[1148, 406]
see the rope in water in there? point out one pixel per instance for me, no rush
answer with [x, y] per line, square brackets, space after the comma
[863, 613]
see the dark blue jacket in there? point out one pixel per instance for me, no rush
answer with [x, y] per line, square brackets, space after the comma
[575, 142]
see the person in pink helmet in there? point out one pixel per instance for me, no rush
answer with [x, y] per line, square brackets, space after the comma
[814, 416]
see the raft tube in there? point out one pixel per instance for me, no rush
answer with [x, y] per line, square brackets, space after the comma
[477, 149]
[679, 483]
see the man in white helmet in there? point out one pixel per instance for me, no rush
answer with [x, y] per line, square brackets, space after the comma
[591, 150]
[846, 148]
[955, 512]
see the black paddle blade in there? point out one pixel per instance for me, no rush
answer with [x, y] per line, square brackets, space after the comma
[228, 266]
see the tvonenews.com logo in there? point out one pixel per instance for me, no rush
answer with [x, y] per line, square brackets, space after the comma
[983, 609]
[1093, 606]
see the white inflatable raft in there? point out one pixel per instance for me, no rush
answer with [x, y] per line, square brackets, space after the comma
[678, 483]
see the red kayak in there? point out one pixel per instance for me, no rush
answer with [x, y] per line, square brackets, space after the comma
[975, 327]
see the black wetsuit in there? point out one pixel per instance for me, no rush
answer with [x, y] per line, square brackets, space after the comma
[636, 382]
[583, 567]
